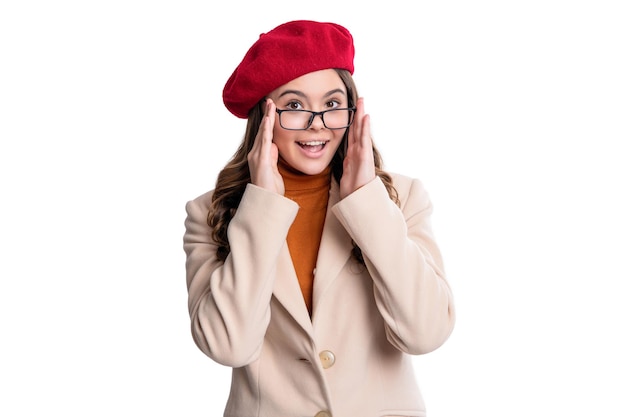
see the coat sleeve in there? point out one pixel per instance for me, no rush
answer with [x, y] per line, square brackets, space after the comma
[405, 263]
[229, 302]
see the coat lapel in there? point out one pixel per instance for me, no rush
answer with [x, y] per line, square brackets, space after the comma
[335, 249]
[287, 290]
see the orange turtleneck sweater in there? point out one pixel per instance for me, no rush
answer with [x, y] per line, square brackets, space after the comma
[305, 233]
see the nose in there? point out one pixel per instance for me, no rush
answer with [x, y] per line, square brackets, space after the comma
[317, 123]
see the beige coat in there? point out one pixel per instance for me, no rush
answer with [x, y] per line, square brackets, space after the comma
[352, 358]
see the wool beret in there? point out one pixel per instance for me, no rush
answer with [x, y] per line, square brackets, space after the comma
[283, 54]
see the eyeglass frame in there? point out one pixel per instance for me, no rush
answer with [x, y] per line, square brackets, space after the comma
[351, 111]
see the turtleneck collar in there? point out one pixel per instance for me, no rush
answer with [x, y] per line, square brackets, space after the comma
[296, 181]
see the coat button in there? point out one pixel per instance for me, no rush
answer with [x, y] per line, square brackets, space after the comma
[323, 414]
[328, 358]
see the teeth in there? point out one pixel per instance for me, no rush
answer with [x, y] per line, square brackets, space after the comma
[313, 143]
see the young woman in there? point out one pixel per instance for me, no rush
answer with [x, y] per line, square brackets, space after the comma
[312, 272]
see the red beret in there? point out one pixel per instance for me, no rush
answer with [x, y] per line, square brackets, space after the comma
[284, 54]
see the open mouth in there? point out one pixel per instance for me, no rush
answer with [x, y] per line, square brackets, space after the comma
[313, 146]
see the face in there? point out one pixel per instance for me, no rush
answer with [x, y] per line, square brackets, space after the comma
[310, 151]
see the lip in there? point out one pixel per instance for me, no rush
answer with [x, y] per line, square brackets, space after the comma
[315, 148]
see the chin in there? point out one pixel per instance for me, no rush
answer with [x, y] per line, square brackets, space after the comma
[312, 168]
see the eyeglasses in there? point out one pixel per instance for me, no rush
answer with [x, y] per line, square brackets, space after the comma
[302, 119]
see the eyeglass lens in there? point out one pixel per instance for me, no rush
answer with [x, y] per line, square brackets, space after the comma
[298, 119]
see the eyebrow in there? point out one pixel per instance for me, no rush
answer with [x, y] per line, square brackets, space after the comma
[301, 94]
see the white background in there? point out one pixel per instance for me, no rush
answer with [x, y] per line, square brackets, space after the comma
[512, 113]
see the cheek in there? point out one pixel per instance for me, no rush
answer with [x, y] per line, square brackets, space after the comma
[338, 142]
[279, 137]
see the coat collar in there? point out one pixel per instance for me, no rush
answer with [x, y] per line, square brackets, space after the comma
[335, 250]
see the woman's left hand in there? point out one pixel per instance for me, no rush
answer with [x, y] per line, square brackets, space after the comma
[358, 165]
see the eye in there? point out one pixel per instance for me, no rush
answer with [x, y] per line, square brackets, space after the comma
[332, 104]
[294, 105]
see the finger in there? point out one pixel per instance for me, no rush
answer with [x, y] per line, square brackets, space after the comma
[267, 126]
[366, 136]
[358, 121]
[265, 134]
[271, 116]
[355, 127]
[259, 133]
[274, 156]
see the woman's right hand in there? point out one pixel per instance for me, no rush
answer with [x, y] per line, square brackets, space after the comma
[263, 157]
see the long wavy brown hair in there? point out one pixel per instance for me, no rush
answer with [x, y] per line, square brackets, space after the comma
[233, 178]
